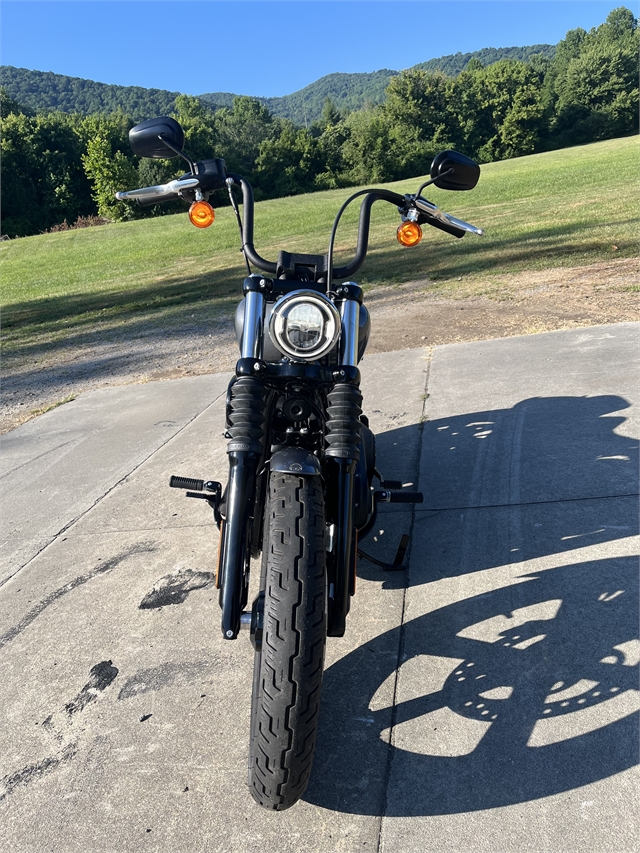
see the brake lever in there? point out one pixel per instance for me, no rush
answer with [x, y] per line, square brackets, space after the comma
[434, 212]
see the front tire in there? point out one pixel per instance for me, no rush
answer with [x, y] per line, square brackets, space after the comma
[288, 667]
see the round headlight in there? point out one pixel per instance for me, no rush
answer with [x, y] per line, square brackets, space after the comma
[304, 325]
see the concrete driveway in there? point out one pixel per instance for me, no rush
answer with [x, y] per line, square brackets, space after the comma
[485, 700]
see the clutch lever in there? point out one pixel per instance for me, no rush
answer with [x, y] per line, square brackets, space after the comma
[159, 192]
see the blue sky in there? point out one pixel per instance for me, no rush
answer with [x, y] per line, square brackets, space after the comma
[269, 48]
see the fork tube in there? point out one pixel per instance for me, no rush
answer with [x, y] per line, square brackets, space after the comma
[345, 531]
[253, 320]
[350, 315]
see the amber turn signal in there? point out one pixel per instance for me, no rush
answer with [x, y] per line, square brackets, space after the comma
[201, 214]
[409, 234]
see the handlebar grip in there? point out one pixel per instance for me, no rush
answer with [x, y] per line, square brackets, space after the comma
[432, 215]
[465, 226]
[443, 226]
[147, 202]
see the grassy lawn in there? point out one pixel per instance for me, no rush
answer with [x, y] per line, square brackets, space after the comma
[562, 208]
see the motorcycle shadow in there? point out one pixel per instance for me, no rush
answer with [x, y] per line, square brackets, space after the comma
[518, 686]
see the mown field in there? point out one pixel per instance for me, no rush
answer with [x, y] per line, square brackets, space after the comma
[564, 208]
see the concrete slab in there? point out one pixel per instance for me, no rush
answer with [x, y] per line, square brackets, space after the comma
[57, 466]
[515, 724]
[79, 747]
[125, 727]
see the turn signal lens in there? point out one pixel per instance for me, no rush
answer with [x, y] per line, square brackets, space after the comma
[409, 234]
[201, 214]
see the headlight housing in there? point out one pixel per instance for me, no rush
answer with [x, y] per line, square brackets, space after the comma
[304, 325]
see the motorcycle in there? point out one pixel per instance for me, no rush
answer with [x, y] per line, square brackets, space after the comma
[303, 486]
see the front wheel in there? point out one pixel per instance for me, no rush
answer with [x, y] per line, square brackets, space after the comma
[288, 666]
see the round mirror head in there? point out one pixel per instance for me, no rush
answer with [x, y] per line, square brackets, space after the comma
[145, 140]
[451, 170]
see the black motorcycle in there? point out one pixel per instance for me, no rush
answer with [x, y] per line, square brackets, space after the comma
[303, 486]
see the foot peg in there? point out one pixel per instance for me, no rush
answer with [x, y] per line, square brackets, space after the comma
[196, 487]
[391, 484]
[398, 497]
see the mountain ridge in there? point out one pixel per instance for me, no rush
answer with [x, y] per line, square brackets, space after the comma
[43, 91]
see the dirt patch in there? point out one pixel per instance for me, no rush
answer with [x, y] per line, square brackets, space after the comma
[404, 316]
[417, 313]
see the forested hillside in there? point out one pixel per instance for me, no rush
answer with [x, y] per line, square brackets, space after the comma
[347, 92]
[43, 91]
[455, 63]
[59, 166]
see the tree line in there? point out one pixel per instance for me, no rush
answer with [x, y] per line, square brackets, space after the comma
[59, 166]
[45, 91]
[454, 63]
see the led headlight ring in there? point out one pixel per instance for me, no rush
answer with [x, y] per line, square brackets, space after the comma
[304, 325]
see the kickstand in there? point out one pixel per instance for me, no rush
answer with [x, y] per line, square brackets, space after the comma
[396, 566]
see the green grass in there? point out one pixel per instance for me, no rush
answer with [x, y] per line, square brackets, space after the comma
[562, 208]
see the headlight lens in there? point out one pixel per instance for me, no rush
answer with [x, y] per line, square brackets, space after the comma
[304, 325]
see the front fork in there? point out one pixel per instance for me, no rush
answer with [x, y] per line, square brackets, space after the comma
[246, 428]
[247, 431]
[344, 408]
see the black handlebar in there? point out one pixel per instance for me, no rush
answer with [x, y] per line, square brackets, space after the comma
[349, 270]
[247, 226]
[363, 228]
[211, 174]
[154, 137]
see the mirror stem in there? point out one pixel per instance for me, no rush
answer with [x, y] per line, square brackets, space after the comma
[178, 151]
[432, 180]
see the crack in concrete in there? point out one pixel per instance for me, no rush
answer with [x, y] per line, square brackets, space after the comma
[401, 643]
[528, 503]
[58, 447]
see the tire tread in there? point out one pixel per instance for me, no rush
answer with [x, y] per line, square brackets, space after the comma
[289, 668]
